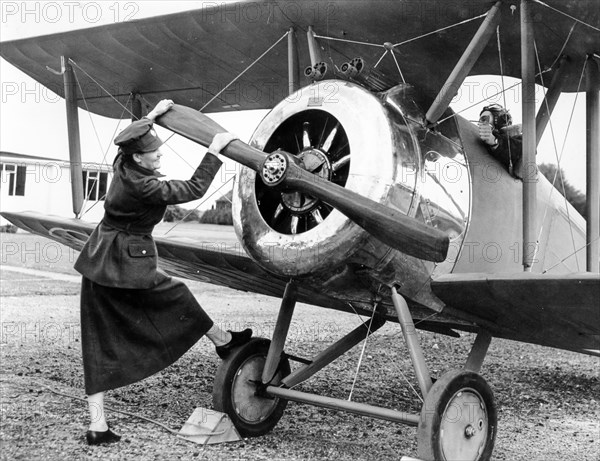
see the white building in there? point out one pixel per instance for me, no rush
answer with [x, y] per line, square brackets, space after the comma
[30, 183]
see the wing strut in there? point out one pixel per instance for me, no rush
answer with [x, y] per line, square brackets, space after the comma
[529, 167]
[313, 47]
[136, 107]
[293, 62]
[412, 342]
[73, 133]
[464, 65]
[592, 115]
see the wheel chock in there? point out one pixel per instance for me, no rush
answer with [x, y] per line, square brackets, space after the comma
[207, 427]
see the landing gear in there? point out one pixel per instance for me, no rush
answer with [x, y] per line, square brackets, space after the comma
[237, 389]
[458, 419]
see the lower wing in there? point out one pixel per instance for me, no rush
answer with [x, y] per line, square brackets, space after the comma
[195, 261]
[560, 311]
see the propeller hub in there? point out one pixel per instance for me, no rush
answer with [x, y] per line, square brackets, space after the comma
[315, 161]
[274, 168]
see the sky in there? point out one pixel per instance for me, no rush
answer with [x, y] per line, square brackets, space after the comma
[33, 121]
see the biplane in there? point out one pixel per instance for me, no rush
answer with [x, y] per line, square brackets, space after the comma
[362, 190]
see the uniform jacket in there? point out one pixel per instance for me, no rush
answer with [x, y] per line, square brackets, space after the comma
[121, 251]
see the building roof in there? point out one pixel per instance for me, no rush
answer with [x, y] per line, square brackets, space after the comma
[28, 157]
[62, 162]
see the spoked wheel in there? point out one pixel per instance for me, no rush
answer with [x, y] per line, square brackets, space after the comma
[320, 145]
[458, 419]
[236, 384]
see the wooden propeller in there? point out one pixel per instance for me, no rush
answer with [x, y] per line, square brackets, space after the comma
[279, 169]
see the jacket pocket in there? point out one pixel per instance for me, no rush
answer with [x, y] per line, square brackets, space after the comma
[141, 250]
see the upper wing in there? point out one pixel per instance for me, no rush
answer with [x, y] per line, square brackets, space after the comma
[191, 56]
[551, 310]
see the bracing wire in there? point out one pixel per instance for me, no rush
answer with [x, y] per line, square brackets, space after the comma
[334, 39]
[557, 173]
[324, 37]
[244, 71]
[440, 30]
[87, 109]
[562, 149]
[564, 145]
[381, 58]
[510, 164]
[563, 46]
[398, 66]
[84, 212]
[87, 197]
[200, 204]
[399, 369]
[410, 384]
[209, 102]
[571, 254]
[362, 353]
[103, 162]
[478, 103]
[125, 109]
[567, 15]
[101, 87]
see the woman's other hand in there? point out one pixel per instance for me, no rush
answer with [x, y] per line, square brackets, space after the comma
[220, 142]
[162, 107]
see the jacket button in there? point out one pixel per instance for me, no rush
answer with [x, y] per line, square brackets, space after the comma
[143, 252]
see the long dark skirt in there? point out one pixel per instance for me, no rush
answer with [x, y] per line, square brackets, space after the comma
[129, 334]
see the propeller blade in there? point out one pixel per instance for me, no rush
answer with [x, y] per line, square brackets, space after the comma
[386, 224]
[200, 128]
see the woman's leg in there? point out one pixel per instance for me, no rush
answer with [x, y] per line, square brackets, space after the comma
[99, 433]
[218, 336]
[97, 415]
[226, 341]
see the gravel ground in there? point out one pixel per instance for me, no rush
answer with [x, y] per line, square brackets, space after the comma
[548, 400]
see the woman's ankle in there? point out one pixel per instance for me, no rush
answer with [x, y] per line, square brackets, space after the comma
[98, 426]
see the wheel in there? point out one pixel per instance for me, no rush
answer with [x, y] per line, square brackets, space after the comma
[458, 419]
[236, 384]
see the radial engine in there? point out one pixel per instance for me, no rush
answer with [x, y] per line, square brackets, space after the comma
[372, 143]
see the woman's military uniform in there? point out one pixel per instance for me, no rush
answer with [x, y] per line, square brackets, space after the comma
[136, 320]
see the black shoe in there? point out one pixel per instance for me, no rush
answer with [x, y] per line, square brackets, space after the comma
[100, 437]
[237, 339]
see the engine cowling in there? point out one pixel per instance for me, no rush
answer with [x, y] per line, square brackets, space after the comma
[345, 134]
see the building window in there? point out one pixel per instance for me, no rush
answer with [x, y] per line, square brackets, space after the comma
[94, 185]
[14, 176]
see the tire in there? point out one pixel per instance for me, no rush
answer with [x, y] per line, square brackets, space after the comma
[236, 382]
[458, 419]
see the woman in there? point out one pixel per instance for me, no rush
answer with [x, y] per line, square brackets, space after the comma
[135, 320]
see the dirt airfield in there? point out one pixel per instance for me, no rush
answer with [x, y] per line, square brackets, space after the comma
[548, 400]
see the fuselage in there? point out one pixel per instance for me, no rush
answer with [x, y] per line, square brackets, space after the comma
[444, 177]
